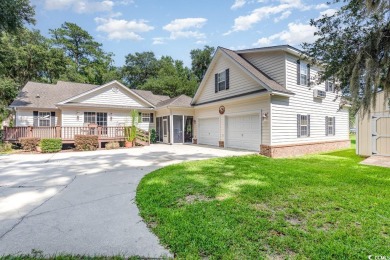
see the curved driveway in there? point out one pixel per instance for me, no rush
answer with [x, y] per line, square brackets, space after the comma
[83, 202]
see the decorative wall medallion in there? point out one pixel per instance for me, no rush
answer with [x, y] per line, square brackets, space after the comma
[222, 110]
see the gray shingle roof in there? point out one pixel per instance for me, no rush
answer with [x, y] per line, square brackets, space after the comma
[180, 101]
[49, 94]
[267, 80]
[150, 97]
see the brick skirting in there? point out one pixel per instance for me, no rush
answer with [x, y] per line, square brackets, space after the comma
[278, 151]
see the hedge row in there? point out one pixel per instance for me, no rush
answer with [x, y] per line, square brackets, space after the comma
[29, 143]
[86, 142]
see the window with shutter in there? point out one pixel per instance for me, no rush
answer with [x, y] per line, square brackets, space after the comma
[303, 74]
[35, 118]
[44, 119]
[330, 125]
[303, 125]
[53, 118]
[298, 72]
[329, 86]
[146, 117]
[221, 80]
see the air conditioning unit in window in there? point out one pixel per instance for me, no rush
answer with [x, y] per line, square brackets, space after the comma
[319, 93]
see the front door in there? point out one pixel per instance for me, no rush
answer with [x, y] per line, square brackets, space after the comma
[165, 131]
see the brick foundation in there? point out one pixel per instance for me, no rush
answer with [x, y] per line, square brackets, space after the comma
[221, 144]
[278, 151]
[194, 140]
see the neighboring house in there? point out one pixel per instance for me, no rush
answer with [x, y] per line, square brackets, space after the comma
[373, 129]
[262, 99]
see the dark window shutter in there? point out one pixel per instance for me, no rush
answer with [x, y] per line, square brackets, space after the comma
[139, 117]
[151, 118]
[308, 75]
[53, 118]
[298, 125]
[326, 126]
[227, 79]
[308, 125]
[35, 118]
[298, 72]
[326, 85]
[216, 83]
[334, 125]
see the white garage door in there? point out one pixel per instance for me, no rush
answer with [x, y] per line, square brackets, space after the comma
[208, 132]
[243, 132]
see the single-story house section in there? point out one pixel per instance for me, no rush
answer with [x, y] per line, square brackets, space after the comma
[373, 129]
[265, 99]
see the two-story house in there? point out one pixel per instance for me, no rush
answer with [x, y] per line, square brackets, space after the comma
[263, 99]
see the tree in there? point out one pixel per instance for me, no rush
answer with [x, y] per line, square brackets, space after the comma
[201, 60]
[13, 13]
[353, 46]
[87, 62]
[8, 91]
[139, 67]
[172, 79]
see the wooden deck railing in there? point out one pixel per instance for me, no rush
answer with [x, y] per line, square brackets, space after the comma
[67, 133]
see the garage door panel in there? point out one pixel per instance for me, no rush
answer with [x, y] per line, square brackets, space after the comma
[243, 132]
[208, 131]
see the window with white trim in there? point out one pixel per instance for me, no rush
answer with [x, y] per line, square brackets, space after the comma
[44, 118]
[221, 80]
[304, 126]
[330, 86]
[330, 126]
[90, 117]
[303, 73]
[145, 117]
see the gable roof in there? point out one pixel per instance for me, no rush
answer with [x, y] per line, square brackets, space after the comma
[180, 101]
[44, 95]
[258, 75]
[152, 98]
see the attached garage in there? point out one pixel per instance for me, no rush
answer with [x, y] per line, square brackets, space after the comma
[208, 131]
[373, 130]
[243, 132]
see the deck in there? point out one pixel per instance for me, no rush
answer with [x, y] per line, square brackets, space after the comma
[68, 133]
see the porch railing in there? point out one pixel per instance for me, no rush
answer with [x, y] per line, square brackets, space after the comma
[67, 133]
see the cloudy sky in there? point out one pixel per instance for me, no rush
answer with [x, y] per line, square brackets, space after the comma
[174, 27]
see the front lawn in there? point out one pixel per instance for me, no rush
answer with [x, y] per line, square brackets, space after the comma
[319, 206]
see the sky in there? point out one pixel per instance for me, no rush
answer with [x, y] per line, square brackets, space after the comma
[175, 27]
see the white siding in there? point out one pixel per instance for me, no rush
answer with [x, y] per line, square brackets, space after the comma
[285, 110]
[272, 64]
[107, 96]
[24, 117]
[240, 81]
[114, 118]
[242, 106]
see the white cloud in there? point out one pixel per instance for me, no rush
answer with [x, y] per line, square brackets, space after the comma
[327, 12]
[80, 6]
[201, 42]
[245, 22]
[238, 4]
[297, 33]
[122, 29]
[186, 28]
[284, 15]
[158, 40]
[321, 6]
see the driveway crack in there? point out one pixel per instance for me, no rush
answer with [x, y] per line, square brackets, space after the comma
[40, 205]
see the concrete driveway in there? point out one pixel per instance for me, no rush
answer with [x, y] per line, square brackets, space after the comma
[83, 202]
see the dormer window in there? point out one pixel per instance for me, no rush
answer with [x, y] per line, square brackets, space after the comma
[303, 73]
[329, 86]
[222, 81]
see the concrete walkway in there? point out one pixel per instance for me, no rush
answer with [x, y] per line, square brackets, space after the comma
[83, 202]
[383, 161]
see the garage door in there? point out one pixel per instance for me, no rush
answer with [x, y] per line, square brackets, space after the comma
[381, 135]
[243, 132]
[208, 132]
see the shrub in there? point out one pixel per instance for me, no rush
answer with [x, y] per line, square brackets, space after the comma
[51, 145]
[112, 145]
[5, 147]
[29, 143]
[153, 136]
[86, 142]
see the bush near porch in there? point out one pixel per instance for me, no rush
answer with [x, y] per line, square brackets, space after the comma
[86, 142]
[315, 207]
[51, 145]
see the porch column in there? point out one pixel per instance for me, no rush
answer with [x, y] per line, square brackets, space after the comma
[58, 131]
[171, 129]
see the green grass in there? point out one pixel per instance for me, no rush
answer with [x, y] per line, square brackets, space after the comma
[315, 207]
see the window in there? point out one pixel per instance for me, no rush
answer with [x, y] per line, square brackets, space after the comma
[303, 125]
[303, 73]
[330, 125]
[90, 117]
[145, 117]
[44, 118]
[329, 86]
[221, 81]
